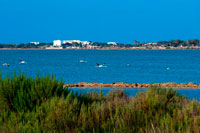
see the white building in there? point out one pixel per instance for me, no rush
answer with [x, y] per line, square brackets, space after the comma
[76, 41]
[35, 43]
[71, 41]
[112, 43]
[85, 42]
[151, 43]
[57, 43]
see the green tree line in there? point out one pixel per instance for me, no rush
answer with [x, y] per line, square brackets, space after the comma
[177, 43]
[22, 45]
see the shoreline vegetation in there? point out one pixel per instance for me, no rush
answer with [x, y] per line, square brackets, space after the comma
[41, 104]
[122, 85]
[77, 44]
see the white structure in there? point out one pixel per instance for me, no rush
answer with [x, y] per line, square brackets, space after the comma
[71, 41]
[76, 41]
[85, 42]
[151, 43]
[57, 43]
[112, 43]
[35, 43]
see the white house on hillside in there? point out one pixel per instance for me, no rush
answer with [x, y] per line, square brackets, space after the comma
[35, 43]
[76, 41]
[71, 41]
[57, 43]
[112, 43]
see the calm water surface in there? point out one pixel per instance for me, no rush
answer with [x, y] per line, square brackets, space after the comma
[191, 94]
[146, 66]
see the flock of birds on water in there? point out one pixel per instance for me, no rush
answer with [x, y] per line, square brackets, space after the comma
[81, 61]
[103, 65]
[20, 62]
[98, 65]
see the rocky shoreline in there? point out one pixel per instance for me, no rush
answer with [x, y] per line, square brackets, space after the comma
[189, 85]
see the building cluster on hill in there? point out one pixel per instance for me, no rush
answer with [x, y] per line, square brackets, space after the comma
[78, 44]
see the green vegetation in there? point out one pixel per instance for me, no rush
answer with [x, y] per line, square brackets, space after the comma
[176, 43]
[28, 45]
[41, 104]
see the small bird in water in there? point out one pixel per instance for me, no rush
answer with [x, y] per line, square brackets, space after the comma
[98, 65]
[83, 61]
[22, 62]
[6, 64]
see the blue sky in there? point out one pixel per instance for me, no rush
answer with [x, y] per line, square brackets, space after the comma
[121, 21]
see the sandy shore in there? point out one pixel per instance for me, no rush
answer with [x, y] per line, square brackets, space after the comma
[133, 85]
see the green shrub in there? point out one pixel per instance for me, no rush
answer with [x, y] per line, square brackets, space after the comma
[43, 105]
[21, 93]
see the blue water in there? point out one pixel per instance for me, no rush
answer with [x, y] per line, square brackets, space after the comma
[191, 94]
[146, 66]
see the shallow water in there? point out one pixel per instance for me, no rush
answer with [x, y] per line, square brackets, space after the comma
[191, 94]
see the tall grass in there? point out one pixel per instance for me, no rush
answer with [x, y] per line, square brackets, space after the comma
[43, 105]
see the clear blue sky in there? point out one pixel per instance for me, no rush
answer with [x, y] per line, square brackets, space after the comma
[121, 21]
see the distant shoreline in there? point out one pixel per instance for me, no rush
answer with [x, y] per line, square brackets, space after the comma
[123, 85]
[93, 49]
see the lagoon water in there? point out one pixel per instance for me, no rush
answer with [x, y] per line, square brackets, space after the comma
[145, 66]
[191, 94]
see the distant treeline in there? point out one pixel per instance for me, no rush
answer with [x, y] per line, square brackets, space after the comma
[173, 43]
[27, 45]
[102, 45]
[177, 43]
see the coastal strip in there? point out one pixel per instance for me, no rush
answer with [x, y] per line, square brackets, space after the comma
[189, 85]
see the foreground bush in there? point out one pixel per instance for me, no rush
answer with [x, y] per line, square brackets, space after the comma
[42, 105]
[20, 93]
